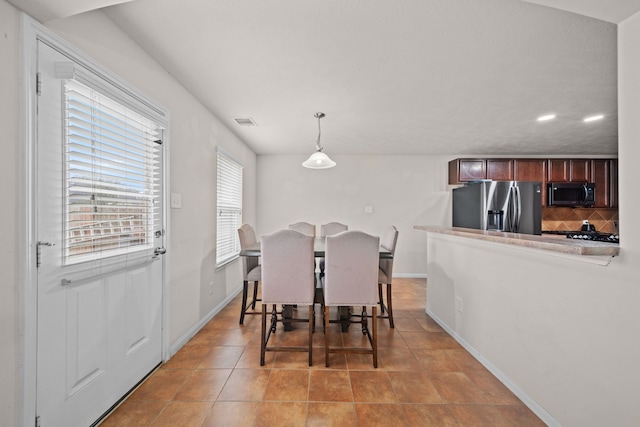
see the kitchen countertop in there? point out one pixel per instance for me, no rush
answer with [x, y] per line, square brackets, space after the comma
[547, 242]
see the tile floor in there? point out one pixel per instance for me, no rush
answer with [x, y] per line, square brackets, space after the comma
[424, 378]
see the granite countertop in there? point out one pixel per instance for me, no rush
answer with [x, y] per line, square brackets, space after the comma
[545, 242]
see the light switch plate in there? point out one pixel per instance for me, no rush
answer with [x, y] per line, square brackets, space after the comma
[176, 200]
[368, 209]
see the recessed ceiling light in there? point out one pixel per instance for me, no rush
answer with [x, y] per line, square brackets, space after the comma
[546, 117]
[592, 118]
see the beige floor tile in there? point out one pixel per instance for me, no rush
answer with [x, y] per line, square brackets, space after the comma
[421, 415]
[232, 414]
[184, 414]
[203, 385]
[245, 385]
[288, 385]
[282, 414]
[323, 414]
[330, 385]
[380, 415]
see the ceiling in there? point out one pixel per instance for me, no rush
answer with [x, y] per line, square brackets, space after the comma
[392, 77]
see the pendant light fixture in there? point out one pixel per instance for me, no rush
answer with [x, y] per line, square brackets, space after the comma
[319, 160]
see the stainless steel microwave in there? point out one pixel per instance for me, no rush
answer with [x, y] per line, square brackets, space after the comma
[571, 194]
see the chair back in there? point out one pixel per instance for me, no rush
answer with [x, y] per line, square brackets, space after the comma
[388, 241]
[332, 228]
[287, 268]
[304, 228]
[247, 237]
[351, 269]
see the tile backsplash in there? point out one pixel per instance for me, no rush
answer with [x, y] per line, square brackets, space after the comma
[570, 219]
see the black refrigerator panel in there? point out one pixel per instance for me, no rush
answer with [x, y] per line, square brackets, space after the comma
[467, 204]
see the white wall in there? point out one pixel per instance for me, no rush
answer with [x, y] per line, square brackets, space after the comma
[10, 167]
[403, 191]
[563, 332]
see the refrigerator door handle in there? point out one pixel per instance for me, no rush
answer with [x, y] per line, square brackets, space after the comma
[518, 209]
[510, 210]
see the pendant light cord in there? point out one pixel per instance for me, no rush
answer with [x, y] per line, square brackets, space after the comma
[318, 146]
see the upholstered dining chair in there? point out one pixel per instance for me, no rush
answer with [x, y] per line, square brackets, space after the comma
[304, 228]
[351, 274]
[287, 279]
[251, 271]
[385, 273]
[330, 229]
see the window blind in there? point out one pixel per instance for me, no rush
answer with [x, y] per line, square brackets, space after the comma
[111, 176]
[229, 208]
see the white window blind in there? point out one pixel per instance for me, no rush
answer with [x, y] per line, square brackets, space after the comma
[229, 208]
[111, 176]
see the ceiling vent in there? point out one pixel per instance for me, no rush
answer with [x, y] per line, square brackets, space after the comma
[245, 121]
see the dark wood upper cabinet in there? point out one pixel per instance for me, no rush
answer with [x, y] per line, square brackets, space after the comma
[500, 169]
[531, 170]
[558, 170]
[464, 170]
[600, 175]
[580, 170]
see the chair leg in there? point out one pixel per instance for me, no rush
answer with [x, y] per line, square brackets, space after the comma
[374, 330]
[311, 310]
[263, 335]
[326, 335]
[245, 289]
[255, 295]
[389, 306]
[274, 318]
[380, 298]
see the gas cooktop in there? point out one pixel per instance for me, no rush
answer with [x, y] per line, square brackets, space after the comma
[595, 236]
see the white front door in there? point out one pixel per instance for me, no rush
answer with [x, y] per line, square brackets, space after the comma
[99, 322]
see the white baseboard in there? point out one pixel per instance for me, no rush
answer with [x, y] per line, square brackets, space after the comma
[545, 416]
[411, 275]
[195, 328]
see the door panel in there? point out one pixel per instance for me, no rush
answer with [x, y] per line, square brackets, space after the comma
[98, 330]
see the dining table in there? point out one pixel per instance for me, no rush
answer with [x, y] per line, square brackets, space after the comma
[318, 249]
[319, 252]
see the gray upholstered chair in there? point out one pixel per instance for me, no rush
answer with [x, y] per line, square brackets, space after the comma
[350, 279]
[251, 270]
[304, 228]
[329, 230]
[385, 273]
[287, 279]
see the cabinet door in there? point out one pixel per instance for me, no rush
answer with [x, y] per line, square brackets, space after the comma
[600, 175]
[463, 170]
[580, 170]
[532, 170]
[500, 169]
[613, 183]
[558, 170]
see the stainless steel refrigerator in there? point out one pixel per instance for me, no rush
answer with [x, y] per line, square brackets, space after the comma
[510, 206]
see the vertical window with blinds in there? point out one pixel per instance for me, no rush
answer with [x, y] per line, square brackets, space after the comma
[229, 208]
[111, 176]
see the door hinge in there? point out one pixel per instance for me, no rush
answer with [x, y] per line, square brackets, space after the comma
[37, 420]
[38, 84]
